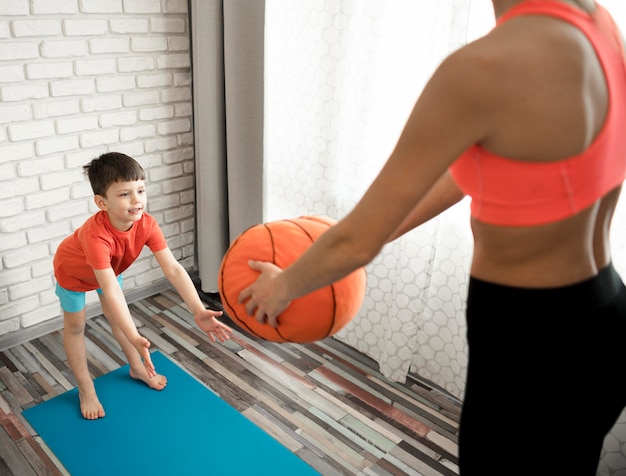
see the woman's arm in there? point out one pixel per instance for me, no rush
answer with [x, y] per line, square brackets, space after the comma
[438, 199]
[454, 111]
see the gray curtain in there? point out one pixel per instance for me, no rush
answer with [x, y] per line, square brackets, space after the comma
[228, 87]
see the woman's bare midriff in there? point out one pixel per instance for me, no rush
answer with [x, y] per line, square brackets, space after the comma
[543, 256]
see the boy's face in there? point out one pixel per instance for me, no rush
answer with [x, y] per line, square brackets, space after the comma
[125, 203]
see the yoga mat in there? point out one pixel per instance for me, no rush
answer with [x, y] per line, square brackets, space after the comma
[185, 429]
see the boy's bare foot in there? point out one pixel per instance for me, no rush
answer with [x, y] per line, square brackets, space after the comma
[158, 382]
[90, 406]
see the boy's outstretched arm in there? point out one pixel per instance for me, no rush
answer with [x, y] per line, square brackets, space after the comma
[120, 314]
[205, 318]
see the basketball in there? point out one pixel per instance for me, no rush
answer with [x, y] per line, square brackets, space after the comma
[309, 318]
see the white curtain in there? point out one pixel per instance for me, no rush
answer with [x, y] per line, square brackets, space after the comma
[341, 79]
[297, 105]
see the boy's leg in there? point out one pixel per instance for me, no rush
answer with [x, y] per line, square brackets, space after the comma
[137, 369]
[74, 342]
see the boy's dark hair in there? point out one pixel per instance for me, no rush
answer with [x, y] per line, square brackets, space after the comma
[110, 168]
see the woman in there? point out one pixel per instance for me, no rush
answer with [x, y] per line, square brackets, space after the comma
[529, 122]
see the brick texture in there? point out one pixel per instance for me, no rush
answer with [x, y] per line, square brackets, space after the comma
[79, 78]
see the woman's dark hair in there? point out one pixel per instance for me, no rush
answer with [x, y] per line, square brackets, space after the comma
[110, 168]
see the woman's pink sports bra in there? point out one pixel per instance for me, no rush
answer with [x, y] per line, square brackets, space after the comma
[511, 192]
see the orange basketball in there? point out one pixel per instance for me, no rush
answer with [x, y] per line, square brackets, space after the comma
[309, 318]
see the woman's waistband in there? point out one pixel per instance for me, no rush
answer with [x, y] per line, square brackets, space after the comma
[591, 293]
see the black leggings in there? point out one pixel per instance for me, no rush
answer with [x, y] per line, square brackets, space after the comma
[546, 371]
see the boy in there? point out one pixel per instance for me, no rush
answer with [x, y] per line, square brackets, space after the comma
[94, 257]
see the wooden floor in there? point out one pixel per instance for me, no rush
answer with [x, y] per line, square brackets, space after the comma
[325, 401]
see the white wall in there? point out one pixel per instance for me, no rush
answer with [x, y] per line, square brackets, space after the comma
[79, 78]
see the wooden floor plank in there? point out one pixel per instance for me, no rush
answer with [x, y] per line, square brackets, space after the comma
[264, 420]
[48, 366]
[329, 443]
[176, 328]
[50, 390]
[15, 387]
[53, 343]
[12, 460]
[48, 452]
[37, 457]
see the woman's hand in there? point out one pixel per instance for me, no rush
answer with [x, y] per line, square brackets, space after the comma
[263, 298]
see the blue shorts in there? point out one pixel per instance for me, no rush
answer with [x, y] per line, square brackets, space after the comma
[74, 301]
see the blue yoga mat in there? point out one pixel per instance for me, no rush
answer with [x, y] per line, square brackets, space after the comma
[185, 429]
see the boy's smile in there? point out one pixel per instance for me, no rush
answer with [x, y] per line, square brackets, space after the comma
[124, 203]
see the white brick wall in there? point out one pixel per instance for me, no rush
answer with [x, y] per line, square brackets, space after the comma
[79, 78]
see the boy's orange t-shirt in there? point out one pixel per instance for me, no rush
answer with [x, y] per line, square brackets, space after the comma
[97, 245]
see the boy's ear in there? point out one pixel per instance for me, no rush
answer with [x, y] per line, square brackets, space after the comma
[100, 202]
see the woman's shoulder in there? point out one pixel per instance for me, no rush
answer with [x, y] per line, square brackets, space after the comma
[518, 55]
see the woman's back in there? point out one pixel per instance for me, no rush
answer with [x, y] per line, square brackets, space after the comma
[552, 103]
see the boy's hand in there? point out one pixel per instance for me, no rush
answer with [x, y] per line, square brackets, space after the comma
[216, 330]
[143, 345]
